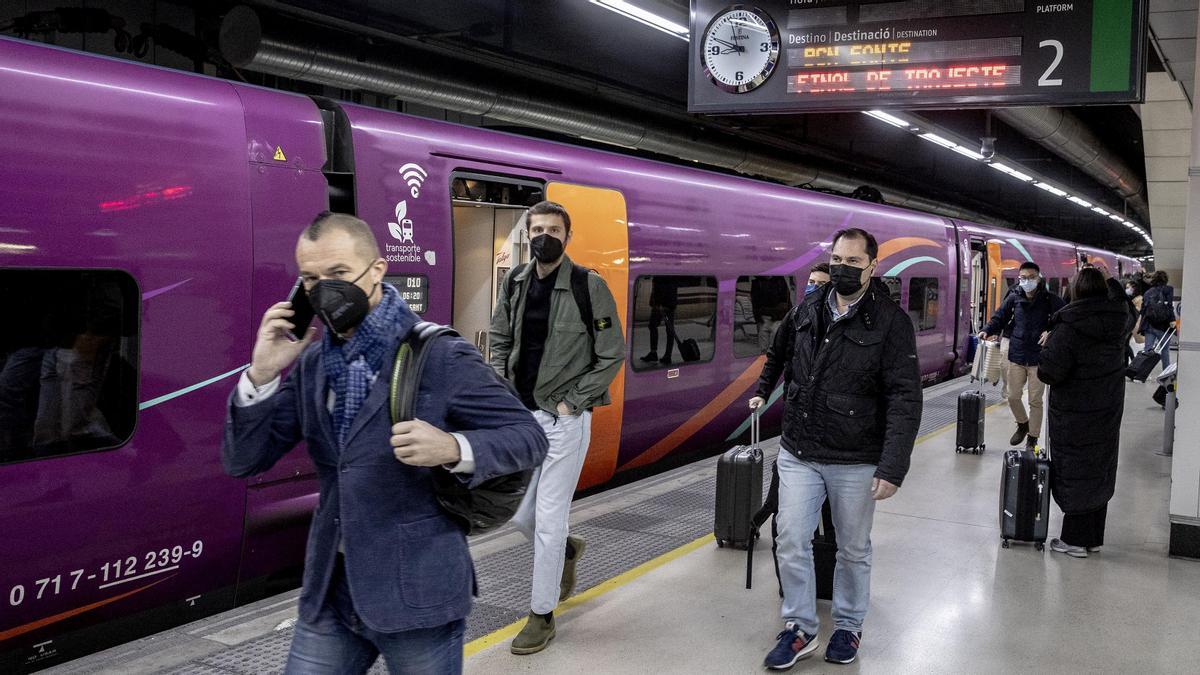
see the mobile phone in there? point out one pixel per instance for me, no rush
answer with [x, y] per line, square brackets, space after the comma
[302, 307]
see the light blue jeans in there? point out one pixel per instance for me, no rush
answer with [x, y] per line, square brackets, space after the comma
[803, 487]
[1153, 335]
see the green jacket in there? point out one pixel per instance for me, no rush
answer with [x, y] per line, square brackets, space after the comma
[572, 370]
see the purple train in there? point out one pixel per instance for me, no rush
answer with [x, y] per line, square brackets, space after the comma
[150, 216]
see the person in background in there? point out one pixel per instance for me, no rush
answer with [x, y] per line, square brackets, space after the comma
[1133, 291]
[818, 276]
[1027, 311]
[1083, 362]
[561, 363]
[664, 298]
[387, 570]
[850, 419]
[1157, 313]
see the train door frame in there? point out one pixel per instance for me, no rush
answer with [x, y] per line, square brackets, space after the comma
[517, 242]
[979, 292]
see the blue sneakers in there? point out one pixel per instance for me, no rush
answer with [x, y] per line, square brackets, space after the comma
[793, 646]
[843, 646]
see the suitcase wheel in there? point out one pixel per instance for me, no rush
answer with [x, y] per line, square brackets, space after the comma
[720, 543]
[1004, 543]
[959, 449]
[1040, 546]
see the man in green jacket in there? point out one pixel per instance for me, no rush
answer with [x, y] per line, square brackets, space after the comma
[556, 336]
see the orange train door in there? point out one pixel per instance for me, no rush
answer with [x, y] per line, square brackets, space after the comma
[995, 279]
[600, 240]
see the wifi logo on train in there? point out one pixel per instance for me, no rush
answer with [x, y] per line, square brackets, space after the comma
[414, 176]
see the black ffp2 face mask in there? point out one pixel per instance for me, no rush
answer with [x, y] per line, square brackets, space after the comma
[546, 249]
[846, 279]
[342, 305]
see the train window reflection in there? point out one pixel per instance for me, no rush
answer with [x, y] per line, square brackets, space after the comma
[923, 302]
[674, 320]
[68, 376]
[894, 287]
[758, 306]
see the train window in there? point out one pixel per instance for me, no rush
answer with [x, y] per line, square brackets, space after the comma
[674, 320]
[758, 306]
[1054, 285]
[68, 369]
[894, 286]
[923, 302]
[1009, 284]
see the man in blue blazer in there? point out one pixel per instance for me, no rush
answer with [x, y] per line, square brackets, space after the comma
[386, 571]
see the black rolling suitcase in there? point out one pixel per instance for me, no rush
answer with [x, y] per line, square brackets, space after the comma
[739, 492]
[1144, 362]
[1025, 494]
[971, 409]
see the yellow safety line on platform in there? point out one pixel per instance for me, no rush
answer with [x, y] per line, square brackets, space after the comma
[479, 644]
[510, 631]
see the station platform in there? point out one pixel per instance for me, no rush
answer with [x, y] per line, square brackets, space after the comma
[655, 594]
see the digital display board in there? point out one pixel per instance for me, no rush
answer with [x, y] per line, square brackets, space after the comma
[414, 289]
[801, 55]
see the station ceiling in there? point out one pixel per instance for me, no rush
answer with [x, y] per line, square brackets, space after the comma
[592, 49]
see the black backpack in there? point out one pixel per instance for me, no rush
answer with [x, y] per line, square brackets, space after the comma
[1159, 310]
[490, 504]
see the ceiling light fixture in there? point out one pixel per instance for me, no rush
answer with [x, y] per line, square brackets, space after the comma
[631, 11]
[967, 152]
[938, 140]
[1082, 202]
[1051, 189]
[890, 119]
[1004, 168]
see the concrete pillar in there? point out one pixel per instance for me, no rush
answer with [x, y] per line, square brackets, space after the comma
[1185, 465]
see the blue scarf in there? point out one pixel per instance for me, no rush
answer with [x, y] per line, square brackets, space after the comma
[349, 365]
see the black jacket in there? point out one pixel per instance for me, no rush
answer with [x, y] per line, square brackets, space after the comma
[1084, 364]
[853, 387]
[1027, 319]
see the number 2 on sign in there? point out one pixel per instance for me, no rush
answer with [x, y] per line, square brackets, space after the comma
[1045, 80]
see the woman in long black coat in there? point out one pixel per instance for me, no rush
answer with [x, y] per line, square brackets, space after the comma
[1083, 361]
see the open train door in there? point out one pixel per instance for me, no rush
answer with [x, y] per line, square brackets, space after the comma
[600, 240]
[987, 282]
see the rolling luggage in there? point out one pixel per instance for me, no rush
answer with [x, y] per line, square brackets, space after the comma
[1144, 362]
[739, 491]
[1025, 493]
[971, 409]
[689, 349]
[989, 363]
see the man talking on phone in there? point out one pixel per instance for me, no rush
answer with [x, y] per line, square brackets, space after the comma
[387, 572]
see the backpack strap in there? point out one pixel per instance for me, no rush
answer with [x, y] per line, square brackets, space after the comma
[409, 368]
[583, 298]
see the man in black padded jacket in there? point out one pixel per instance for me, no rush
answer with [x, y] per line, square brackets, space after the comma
[851, 412]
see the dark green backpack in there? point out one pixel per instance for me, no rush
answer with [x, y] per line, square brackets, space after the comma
[479, 509]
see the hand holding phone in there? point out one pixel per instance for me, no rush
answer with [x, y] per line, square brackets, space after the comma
[303, 309]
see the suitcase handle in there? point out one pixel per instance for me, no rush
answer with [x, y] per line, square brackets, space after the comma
[754, 433]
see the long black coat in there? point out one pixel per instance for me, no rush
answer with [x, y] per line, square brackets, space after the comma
[1084, 364]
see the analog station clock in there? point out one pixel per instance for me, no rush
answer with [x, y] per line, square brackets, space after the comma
[740, 48]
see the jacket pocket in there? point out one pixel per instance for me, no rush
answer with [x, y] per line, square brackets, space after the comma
[851, 424]
[434, 562]
[863, 350]
[566, 343]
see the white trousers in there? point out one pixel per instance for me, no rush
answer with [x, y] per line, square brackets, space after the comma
[544, 513]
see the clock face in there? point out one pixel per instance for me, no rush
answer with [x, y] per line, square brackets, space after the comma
[741, 48]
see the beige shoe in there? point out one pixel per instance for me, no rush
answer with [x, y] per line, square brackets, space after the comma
[567, 586]
[534, 637]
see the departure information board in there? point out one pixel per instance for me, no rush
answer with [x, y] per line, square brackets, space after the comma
[414, 289]
[799, 55]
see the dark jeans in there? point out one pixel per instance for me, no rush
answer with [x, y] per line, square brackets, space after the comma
[339, 642]
[1084, 529]
[660, 315]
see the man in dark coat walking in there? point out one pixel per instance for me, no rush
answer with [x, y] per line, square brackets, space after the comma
[1083, 361]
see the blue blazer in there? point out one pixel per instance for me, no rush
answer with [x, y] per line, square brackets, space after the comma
[406, 562]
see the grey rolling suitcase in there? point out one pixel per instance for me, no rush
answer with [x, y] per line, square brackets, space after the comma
[739, 491]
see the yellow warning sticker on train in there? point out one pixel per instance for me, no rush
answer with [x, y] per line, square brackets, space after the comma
[279, 154]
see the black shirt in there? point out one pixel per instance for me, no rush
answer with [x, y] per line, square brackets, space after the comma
[534, 330]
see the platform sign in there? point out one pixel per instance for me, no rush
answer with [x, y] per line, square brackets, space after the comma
[776, 56]
[414, 289]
